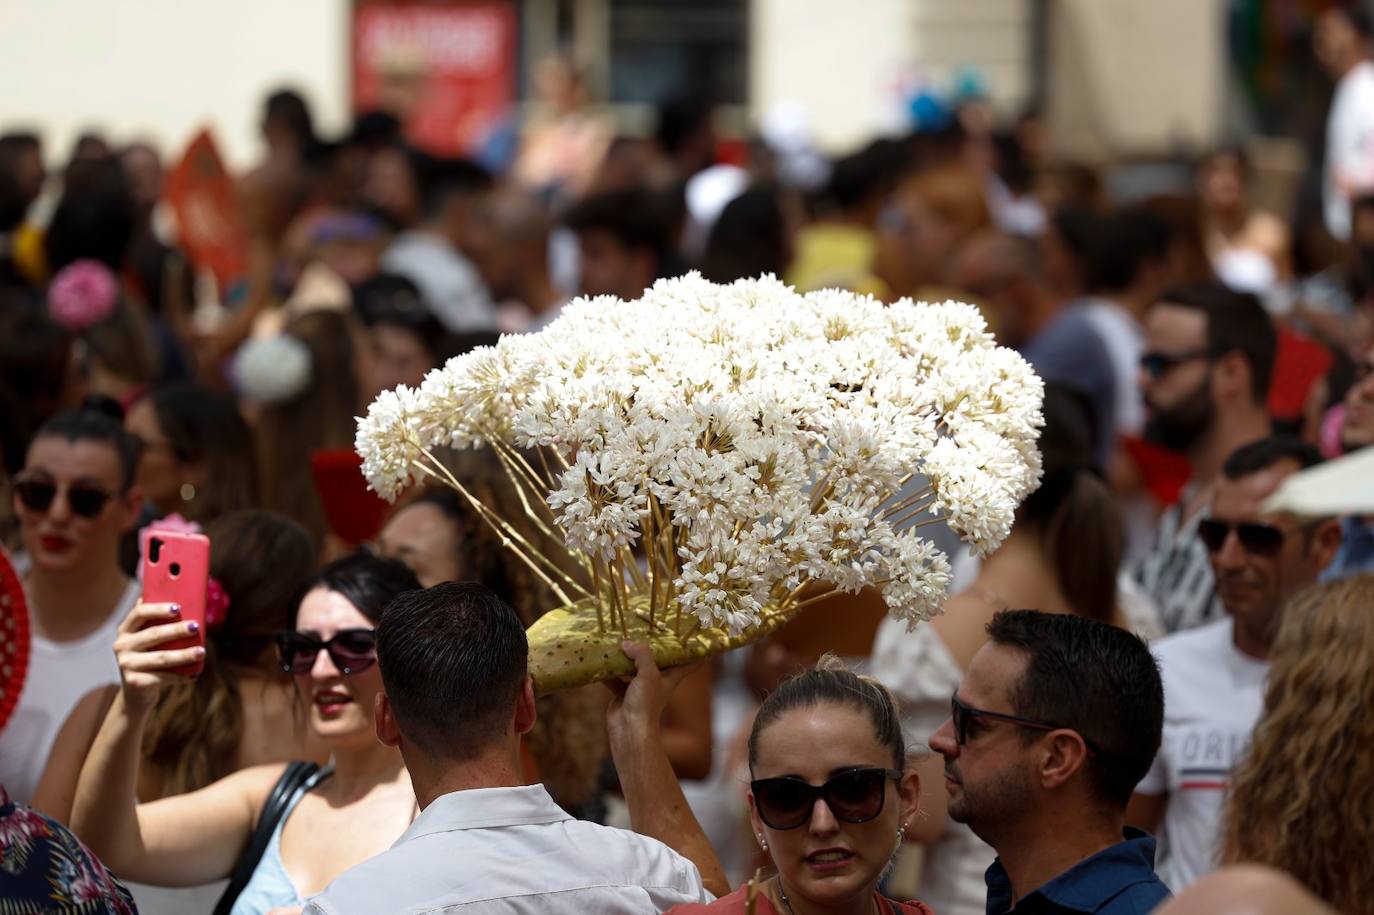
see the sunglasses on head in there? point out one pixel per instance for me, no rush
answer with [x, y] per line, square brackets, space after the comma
[853, 796]
[38, 495]
[1157, 363]
[352, 650]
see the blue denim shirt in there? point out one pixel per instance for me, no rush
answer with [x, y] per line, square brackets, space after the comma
[1116, 881]
[1356, 554]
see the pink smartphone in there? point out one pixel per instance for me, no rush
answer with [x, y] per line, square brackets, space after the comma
[176, 570]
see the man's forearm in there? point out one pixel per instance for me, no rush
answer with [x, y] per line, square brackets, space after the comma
[658, 808]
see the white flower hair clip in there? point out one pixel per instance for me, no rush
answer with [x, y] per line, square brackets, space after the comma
[273, 370]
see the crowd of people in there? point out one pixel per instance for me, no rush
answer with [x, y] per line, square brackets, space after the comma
[1154, 662]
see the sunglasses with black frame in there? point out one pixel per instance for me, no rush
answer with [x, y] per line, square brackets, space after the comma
[84, 500]
[1157, 363]
[352, 650]
[963, 714]
[1256, 538]
[854, 796]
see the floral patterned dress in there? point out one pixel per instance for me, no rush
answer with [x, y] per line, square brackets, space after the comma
[45, 868]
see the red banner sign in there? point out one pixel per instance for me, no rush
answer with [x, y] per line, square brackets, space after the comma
[446, 69]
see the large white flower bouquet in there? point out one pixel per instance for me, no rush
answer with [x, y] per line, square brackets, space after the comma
[715, 458]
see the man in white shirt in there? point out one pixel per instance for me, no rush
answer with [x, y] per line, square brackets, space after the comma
[458, 698]
[1342, 45]
[439, 256]
[1214, 676]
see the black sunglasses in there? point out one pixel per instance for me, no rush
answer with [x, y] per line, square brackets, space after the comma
[853, 796]
[1157, 364]
[85, 501]
[351, 650]
[963, 715]
[1255, 538]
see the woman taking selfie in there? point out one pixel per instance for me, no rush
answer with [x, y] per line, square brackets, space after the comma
[345, 813]
[830, 797]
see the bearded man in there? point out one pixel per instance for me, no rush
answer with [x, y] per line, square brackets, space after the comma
[1204, 376]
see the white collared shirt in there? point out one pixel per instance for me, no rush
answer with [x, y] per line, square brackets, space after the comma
[512, 850]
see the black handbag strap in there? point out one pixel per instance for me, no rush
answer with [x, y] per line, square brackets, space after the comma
[298, 778]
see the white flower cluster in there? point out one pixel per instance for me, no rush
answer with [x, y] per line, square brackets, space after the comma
[775, 432]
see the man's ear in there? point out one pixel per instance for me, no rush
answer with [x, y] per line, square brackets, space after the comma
[1231, 375]
[387, 731]
[525, 710]
[1063, 758]
[1326, 543]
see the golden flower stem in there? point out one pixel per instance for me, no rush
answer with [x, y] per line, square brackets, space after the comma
[519, 470]
[596, 583]
[650, 553]
[632, 564]
[925, 495]
[495, 524]
[520, 479]
[508, 532]
[914, 513]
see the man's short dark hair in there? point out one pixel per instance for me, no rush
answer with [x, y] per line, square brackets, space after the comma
[1096, 679]
[441, 180]
[1123, 244]
[453, 658]
[636, 218]
[1265, 453]
[1236, 322]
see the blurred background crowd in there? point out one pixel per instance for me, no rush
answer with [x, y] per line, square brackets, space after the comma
[1167, 207]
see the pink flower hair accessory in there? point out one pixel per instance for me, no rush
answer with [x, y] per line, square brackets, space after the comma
[82, 294]
[216, 604]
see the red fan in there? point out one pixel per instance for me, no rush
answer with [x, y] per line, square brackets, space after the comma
[14, 639]
[354, 512]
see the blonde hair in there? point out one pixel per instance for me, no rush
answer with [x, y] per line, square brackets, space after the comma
[1303, 799]
[829, 681]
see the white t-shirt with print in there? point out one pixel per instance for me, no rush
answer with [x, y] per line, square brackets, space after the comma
[1213, 698]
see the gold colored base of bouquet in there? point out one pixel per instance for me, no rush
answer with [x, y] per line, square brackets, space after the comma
[573, 645]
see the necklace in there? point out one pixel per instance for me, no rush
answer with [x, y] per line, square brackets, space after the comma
[787, 903]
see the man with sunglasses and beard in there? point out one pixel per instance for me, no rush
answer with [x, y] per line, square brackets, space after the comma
[1214, 675]
[1055, 721]
[1205, 373]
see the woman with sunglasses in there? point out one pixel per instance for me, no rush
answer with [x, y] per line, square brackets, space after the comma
[830, 798]
[74, 499]
[353, 809]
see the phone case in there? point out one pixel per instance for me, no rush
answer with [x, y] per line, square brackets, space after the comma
[176, 569]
